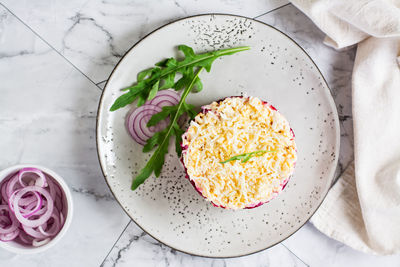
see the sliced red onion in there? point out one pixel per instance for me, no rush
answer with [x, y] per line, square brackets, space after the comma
[40, 242]
[52, 189]
[10, 203]
[165, 98]
[29, 199]
[12, 185]
[54, 228]
[9, 236]
[3, 187]
[164, 102]
[27, 206]
[32, 174]
[137, 120]
[31, 209]
[58, 203]
[58, 190]
[14, 223]
[42, 209]
[25, 238]
[34, 232]
[44, 217]
[4, 221]
[61, 218]
[32, 194]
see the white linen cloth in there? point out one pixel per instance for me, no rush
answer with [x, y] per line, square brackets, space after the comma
[362, 209]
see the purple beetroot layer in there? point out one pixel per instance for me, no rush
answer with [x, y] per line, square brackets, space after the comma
[184, 148]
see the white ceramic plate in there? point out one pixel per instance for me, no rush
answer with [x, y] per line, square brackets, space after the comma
[277, 70]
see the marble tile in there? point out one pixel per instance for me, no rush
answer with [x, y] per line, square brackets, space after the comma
[316, 249]
[47, 117]
[336, 66]
[137, 248]
[93, 35]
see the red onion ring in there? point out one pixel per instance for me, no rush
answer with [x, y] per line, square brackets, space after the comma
[42, 209]
[25, 238]
[30, 198]
[29, 172]
[61, 218]
[165, 102]
[4, 220]
[32, 194]
[3, 191]
[9, 236]
[34, 232]
[52, 189]
[40, 242]
[27, 206]
[44, 217]
[54, 228]
[137, 120]
[14, 223]
[59, 203]
[58, 191]
[165, 95]
[12, 185]
[31, 209]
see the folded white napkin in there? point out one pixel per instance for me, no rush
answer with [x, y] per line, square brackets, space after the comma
[362, 209]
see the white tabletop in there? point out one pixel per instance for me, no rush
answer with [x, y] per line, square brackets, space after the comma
[55, 57]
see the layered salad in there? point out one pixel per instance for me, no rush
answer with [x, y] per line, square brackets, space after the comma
[239, 152]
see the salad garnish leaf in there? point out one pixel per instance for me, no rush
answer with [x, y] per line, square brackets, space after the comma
[246, 156]
[161, 139]
[162, 76]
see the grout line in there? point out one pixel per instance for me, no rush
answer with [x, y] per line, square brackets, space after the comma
[295, 255]
[116, 241]
[272, 10]
[47, 43]
[101, 82]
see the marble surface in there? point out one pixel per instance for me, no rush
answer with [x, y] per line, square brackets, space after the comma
[55, 57]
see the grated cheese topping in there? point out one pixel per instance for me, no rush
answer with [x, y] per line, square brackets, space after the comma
[234, 126]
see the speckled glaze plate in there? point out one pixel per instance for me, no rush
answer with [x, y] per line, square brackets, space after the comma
[277, 70]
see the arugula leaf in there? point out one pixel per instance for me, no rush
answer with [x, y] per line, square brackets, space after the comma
[162, 76]
[162, 138]
[144, 74]
[247, 156]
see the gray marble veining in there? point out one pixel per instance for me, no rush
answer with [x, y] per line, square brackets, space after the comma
[135, 246]
[47, 117]
[93, 35]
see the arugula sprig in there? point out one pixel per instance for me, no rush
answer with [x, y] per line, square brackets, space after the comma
[170, 111]
[162, 138]
[162, 76]
[247, 156]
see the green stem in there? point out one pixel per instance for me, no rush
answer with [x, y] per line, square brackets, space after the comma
[218, 53]
[147, 170]
[246, 156]
[207, 56]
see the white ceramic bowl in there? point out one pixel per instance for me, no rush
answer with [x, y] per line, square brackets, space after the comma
[20, 249]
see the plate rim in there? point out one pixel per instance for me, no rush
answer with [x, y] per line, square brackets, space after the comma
[331, 99]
